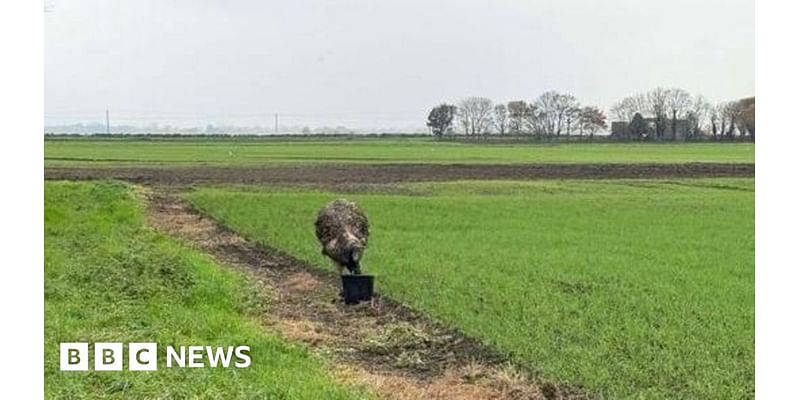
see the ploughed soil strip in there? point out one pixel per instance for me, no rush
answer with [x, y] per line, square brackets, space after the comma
[336, 174]
[395, 351]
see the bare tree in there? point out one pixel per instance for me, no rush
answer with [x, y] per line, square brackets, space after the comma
[678, 101]
[622, 110]
[657, 102]
[747, 116]
[572, 116]
[625, 109]
[717, 119]
[500, 118]
[555, 110]
[729, 114]
[463, 120]
[568, 108]
[534, 122]
[547, 105]
[699, 113]
[475, 115]
[713, 118]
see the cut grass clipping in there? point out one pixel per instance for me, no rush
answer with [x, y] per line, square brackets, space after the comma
[248, 151]
[108, 278]
[635, 288]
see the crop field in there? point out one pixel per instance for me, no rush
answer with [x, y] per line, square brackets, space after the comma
[555, 271]
[248, 152]
[109, 278]
[629, 288]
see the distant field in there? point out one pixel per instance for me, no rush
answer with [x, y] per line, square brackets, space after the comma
[108, 278]
[246, 151]
[633, 288]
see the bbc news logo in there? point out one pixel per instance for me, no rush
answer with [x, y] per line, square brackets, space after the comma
[144, 356]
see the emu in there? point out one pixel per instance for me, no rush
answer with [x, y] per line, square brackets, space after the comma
[342, 229]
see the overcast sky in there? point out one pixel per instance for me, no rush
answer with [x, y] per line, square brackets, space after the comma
[378, 63]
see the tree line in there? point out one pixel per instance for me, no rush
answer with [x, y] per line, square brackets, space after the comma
[551, 114]
[660, 114]
[667, 107]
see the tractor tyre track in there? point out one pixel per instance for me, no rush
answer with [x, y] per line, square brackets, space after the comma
[333, 175]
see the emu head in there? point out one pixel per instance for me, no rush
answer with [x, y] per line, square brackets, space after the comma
[352, 252]
[347, 251]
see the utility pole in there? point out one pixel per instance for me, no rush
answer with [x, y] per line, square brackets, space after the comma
[276, 123]
[108, 125]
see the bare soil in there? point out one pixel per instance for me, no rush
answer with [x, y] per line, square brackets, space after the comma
[342, 174]
[392, 349]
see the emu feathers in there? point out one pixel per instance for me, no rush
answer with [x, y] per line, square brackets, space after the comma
[342, 229]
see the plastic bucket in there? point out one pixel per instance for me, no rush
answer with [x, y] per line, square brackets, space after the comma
[356, 288]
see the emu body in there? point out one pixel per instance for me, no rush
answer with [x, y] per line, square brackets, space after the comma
[342, 229]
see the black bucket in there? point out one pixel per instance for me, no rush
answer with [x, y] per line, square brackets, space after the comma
[356, 288]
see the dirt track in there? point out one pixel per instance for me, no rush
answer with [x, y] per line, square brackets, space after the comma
[333, 175]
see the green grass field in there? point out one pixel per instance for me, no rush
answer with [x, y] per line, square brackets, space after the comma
[248, 151]
[635, 289]
[108, 278]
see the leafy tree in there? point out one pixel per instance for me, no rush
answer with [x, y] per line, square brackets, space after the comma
[440, 119]
[591, 120]
[518, 112]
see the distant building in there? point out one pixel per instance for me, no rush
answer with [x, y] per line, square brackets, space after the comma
[620, 129]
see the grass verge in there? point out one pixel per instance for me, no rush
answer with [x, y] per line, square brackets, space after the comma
[109, 278]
